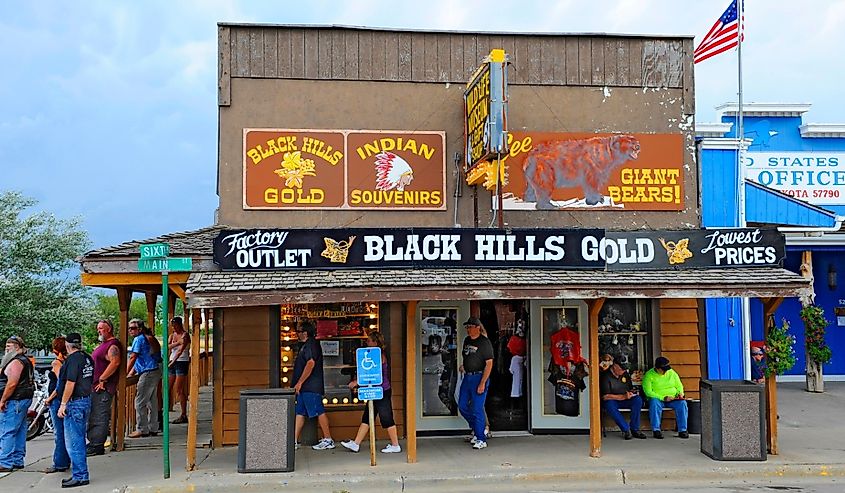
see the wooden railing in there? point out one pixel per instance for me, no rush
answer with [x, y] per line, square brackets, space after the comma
[205, 372]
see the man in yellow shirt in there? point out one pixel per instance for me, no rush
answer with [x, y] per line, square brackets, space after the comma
[662, 386]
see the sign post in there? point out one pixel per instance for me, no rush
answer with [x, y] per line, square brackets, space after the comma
[368, 361]
[154, 258]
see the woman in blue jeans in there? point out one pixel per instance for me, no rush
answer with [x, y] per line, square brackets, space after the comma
[61, 461]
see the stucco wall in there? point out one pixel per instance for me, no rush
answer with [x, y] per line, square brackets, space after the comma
[327, 104]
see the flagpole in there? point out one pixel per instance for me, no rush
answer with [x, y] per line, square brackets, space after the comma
[745, 304]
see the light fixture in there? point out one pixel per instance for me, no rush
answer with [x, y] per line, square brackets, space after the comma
[287, 338]
[372, 315]
[287, 348]
[334, 401]
[325, 401]
[831, 277]
[285, 359]
[284, 369]
[355, 400]
[284, 379]
[346, 400]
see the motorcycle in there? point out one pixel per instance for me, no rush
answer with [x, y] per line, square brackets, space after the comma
[38, 416]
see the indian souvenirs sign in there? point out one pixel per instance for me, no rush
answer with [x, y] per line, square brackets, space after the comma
[816, 177]
[485, 110]
[344, 169]
[419, 248]
[572, 171]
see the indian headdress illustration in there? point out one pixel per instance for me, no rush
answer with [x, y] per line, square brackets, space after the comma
[392, 172]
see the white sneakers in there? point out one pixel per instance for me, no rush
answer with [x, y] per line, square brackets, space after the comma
[391, 449]
[324, 444]
[351, 445]
[354, 447]
[478, 445]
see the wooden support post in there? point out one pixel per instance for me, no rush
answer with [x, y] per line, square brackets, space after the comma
[151, 297]
[410, 382]
[769, 307]
[193, 396]
[595, 398]
[217, 379]
[124, 298]
[207, 372]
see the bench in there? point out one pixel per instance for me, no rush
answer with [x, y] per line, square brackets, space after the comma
[643, 413]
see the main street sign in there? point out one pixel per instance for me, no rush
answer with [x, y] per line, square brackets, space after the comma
[178, 264]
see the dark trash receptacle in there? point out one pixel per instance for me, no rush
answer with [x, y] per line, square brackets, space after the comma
[266, 433]
[694, 417]
[733, 420]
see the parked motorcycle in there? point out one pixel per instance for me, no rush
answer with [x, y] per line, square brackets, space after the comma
[38, 416]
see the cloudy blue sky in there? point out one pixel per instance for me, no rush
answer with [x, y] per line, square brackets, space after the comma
[109, 107]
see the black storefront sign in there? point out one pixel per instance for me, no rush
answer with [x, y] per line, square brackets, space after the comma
[420, 248]
[695, 249]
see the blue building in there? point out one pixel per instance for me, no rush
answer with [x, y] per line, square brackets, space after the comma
[794, 178]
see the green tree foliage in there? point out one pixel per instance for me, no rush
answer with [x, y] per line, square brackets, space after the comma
[40, 292]
[106, 306]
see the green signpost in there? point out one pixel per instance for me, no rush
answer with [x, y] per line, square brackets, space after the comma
[154, 258]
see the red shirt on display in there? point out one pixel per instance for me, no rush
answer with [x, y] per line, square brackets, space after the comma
[566, 347]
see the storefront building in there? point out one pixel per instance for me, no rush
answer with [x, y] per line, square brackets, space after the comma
[794, 182]
[350, 197]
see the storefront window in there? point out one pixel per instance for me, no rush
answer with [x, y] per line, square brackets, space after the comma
[563, 361]
[439, 352]
[341, 329]
[625, 335]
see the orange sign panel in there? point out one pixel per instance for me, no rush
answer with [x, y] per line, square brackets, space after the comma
[554, 171]
[344, 169]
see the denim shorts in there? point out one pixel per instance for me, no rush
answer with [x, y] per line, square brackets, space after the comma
[181, 368]
[309, 404]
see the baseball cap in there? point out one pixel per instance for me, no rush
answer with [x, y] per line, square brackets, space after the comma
[662, 363]
[757, 350]
[17, 340]
[73, 338]
[473, 321]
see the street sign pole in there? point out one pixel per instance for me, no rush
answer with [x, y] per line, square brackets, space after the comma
[165, 358]
[372, 433]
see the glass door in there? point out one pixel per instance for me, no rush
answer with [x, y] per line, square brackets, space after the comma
[439, 333]
[560, 396]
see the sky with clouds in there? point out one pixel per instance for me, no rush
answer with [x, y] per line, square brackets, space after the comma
[110, 107]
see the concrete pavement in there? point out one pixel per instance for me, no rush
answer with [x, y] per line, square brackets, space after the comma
[811, 444]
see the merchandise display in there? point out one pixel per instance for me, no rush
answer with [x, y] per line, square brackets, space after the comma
[341, 329]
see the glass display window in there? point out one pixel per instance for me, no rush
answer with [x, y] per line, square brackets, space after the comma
[625, 333]
[341, 328]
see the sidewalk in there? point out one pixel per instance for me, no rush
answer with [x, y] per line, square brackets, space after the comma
[811, 445]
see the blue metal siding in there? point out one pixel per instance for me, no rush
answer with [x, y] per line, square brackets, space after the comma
[718, 174]
[724, 338]
[764, 206]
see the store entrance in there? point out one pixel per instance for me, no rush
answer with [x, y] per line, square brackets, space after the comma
[506, 323]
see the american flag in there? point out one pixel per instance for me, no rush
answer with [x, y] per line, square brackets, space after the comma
[722, 36]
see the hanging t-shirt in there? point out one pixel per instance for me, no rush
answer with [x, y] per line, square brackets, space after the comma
[476, 353]
[566, 347]
[310, 349]
[78, 368]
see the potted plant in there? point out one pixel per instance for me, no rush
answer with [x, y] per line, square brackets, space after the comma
[780, 349]
[817, 350]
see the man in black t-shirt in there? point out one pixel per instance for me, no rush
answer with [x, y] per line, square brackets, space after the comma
[617, 392]
[478, 363]
[76, 379]
[308, 383]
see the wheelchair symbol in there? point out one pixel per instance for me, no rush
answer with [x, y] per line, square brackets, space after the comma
[367, 363]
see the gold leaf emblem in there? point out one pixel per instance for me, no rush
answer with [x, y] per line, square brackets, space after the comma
[294, 169]
[337, 251]
[678, 252]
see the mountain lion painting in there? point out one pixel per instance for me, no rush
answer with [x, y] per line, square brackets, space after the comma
[585, 163]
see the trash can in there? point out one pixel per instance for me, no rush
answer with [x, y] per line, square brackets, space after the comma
[694, 417]
[266, 430]
[733, 414]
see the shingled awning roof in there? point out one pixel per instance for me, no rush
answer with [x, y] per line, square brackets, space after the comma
[219, 289]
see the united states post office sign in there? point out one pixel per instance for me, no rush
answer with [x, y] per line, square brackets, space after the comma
[344, 169]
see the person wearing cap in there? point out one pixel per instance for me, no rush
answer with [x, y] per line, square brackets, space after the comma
[309, 386]
[76, 382]
[617, 392]
[477, 365]
[663, 388]
[758, 366]
[16, 391]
